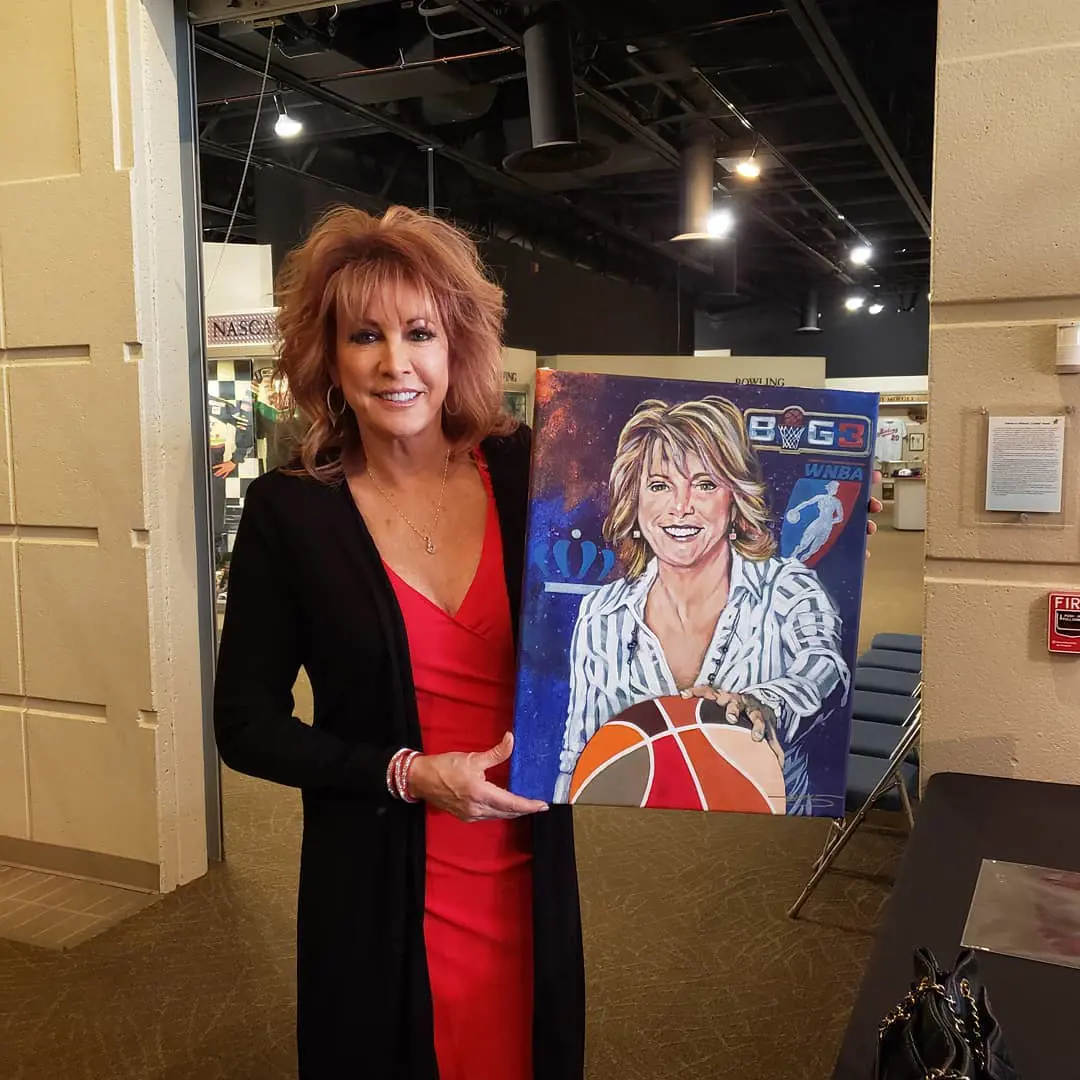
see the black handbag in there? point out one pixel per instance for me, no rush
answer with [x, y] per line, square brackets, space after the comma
[944, 1028]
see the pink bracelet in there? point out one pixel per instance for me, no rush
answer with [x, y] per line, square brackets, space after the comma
[406, 769]
[397, 774]
[391, 772]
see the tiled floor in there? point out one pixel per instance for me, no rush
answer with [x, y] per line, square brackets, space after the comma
[59, 912]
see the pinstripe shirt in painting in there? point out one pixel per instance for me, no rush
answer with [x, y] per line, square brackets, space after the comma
[778, 638]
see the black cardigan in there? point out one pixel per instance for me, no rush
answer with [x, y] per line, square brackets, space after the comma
[307, 587]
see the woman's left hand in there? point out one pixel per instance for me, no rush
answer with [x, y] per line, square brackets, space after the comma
[762, 718]
[876, 506]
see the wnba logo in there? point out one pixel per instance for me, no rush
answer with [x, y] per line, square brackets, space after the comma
[793, 430]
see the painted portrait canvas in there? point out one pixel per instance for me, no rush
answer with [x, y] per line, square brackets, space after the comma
[691, 597]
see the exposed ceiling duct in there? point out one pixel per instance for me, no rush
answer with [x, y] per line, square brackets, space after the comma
[698, 181]
[557, 146]
[810, 314]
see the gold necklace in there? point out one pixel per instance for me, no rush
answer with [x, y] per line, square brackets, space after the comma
[429, 544]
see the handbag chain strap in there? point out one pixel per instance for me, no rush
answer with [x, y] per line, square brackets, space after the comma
[974, 1038]
[977, 1044]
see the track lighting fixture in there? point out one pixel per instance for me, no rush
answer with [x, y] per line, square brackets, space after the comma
[286, 126]
[719, 222]
[748, 169]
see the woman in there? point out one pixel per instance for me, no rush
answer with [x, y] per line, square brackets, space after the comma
[705, 607]
[439, 931]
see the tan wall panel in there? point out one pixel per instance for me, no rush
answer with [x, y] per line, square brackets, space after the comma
[1006, 266]
[1013, 369]
[41, 132]
[968, 28]
[77, 458]
[1008, 708]
[85, 621]
[13, 807]
[10, 665]
[93, 353]
[1005, 176]
[7, 510]
[106, 140]
[92, 785]
[67, 262]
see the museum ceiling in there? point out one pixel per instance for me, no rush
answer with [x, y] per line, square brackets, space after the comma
[831, 99]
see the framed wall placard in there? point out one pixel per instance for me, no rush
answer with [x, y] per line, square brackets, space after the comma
[1025, 463]
[966, 490]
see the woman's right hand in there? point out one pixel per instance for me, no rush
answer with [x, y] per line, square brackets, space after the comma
[457, 784]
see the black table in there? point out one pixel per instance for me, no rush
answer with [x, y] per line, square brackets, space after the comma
[962, 820]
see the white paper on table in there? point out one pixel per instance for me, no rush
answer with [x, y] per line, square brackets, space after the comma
[1027, 911]
[1024, 463]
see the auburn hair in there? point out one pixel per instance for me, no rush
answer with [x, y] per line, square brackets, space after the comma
[348, 260]
[713, 430]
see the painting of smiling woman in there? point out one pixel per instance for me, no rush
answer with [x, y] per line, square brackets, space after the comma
[705, 608]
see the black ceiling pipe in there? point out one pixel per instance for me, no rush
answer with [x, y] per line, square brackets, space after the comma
[809, 314]
[557, 146]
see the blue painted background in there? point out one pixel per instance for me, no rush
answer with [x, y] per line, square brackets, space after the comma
[578, 421]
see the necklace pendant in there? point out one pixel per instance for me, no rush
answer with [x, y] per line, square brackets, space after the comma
[429, 545]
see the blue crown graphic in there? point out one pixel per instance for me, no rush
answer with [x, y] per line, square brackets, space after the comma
[573, 565]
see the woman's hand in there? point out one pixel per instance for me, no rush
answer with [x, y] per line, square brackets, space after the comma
[762, 718]
[457, 784]
[876, 506]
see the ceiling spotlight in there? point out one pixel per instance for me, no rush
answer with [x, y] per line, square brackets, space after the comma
[720, 222]
[861, 255]
[853, 303]
[876, 309]
[748, 169]
[286, 126]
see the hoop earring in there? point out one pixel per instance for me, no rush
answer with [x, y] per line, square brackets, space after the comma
[335, 415]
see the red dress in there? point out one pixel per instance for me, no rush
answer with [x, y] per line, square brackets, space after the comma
[478, 898]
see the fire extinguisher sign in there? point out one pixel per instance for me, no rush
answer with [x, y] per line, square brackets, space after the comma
[1064, 622]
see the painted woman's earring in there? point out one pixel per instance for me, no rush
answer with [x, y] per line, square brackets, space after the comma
[335, 414]
[636, 534]
[733, 535]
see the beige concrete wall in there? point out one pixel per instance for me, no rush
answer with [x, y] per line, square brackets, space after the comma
[1006, 266]
[100, 709]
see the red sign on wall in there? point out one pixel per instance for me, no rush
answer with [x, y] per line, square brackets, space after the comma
[1064, 622]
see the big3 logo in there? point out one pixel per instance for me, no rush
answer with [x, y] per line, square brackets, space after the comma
[793, 430]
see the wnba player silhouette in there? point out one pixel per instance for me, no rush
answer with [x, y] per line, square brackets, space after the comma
[817, 532]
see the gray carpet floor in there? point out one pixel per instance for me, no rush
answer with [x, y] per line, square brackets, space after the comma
[693, 968]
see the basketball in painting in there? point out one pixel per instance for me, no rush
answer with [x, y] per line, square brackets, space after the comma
[678, 753]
